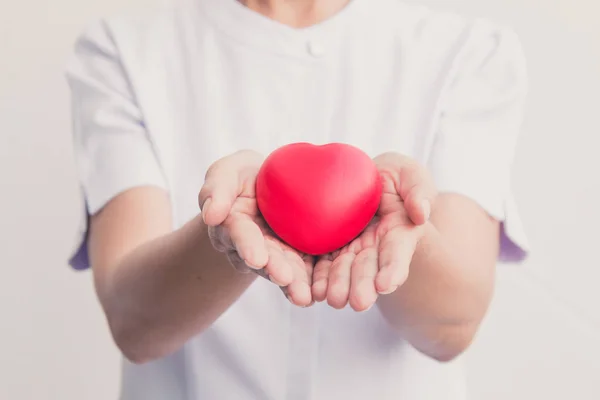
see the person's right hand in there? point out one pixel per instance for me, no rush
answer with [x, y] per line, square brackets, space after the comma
[229, 209]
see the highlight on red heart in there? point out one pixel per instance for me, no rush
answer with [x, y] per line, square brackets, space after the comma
[318, 198]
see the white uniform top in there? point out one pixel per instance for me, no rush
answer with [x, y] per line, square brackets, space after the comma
[158, 98]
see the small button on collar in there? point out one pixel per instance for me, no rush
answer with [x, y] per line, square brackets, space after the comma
[315, 49]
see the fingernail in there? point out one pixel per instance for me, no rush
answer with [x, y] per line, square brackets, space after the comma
[275, 282]
[392, 289]
[204, 208]
[366, 309]
[250, 265]
[426, 209]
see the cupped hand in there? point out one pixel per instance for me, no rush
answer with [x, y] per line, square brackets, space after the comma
[229, 209]
[377, 261]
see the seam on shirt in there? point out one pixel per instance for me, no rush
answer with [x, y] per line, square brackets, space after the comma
[133, 99]
[447, 80]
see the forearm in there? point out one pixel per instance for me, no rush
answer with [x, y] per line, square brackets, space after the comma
[168, 290]
[440, 306]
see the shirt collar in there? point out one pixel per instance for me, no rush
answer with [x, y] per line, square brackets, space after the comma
[253, 29]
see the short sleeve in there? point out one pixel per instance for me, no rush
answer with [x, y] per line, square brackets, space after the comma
[113, 150]
[476, 136]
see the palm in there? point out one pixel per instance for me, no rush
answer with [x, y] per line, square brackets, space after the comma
[284, 258]
[228, 203]
[285, 266]
[374, 263]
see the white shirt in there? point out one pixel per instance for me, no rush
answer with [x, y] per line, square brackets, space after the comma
[158, 98]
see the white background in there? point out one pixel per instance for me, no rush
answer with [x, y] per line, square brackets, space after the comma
[541, 339]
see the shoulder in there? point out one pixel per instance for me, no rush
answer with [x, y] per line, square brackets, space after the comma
[139, 47]
[138, 33]
[440, 34]
[424, 23]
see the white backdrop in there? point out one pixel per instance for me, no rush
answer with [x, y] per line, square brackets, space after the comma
[540, 340]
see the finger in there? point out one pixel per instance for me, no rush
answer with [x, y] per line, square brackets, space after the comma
[418, 206]
[248, 240]
[418, 192]
[363, 293]
[219, 238]
[395, 253]
[321, 277]
[278, 269]
[238, 263]
[309, 267]
[338, 289]
[263, 274]
[225, 180]
[299, 291]
[216, 200]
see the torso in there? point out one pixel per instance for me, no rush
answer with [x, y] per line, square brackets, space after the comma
[372, 77]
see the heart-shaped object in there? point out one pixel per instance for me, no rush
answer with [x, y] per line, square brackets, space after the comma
[318, 198]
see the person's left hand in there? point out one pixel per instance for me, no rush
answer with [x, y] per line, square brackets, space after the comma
[377, 261]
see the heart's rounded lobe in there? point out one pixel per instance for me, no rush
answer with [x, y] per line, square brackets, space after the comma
[318, 198]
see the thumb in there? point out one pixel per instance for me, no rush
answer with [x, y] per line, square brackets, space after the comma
[224, 183]
[412, 182]
[219, 192]
[418, 192]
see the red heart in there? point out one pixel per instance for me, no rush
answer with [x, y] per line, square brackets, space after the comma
[318, 198]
